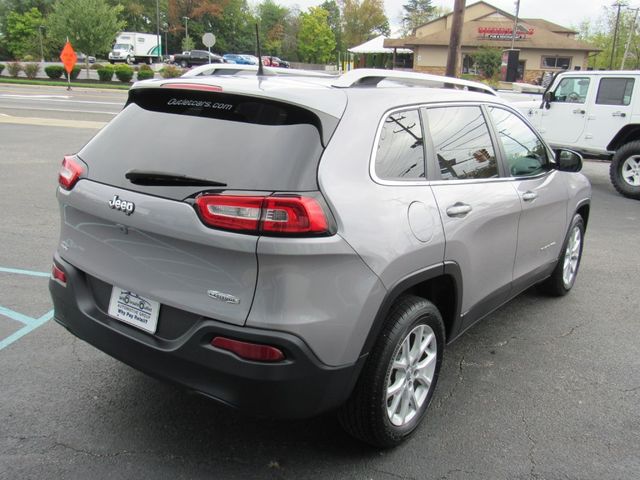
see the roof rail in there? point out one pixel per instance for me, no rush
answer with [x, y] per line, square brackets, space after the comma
[370, 77]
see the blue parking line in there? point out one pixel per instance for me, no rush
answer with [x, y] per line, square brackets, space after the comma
[17, 316]
[35, 323]
[25, 272]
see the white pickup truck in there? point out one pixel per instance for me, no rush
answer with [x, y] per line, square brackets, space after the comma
[596, 113]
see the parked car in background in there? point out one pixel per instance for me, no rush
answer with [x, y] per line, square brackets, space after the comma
[252, 59]
[196, 57]
[237, 58]
[82, 58]
[281, 63]
[596, 113]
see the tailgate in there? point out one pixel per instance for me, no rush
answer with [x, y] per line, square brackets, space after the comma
[162, 252]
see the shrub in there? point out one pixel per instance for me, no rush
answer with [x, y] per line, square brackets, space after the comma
[488, 60]
[14, 68]
[96, 66]
[170, 72]
[106, 73]
[54, 71]
[145, 73]
[31, 70]
[124, 73]
[27, 58]
[74, 73]
[1, 68]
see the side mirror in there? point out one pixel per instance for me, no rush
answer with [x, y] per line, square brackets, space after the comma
[548, 98]
[568, 161]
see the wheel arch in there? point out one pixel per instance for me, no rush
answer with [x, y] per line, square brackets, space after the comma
[583, 210]
[441, 285]
[627, 134]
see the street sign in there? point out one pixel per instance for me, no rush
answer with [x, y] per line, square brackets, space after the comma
[209, 40]
[68, 57]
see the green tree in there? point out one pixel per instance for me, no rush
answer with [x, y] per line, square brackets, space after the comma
[22, 33]
[90, 25]
[316, 41]
[187, 44]
[335, 21]
[363, 20]
[416, 13]
[234, 28]
[272, 19]
[290, 37]
[488, 60]
[600, 32]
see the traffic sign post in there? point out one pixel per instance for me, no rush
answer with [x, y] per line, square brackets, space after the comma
[69, 59]
[209, 40]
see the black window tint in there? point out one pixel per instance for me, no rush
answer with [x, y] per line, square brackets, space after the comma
[525, 153]
[615, 91]
[462, 143]
[400, 154]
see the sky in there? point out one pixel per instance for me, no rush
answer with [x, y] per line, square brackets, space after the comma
[564, 12]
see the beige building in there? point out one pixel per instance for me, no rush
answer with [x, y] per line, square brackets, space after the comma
[544, 46]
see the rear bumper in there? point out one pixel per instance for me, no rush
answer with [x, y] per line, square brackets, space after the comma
[299, 386]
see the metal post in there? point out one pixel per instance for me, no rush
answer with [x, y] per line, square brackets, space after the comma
[454, 43]
[158, 30]
[631, 30]
[515, 25]
[186, 27]
[615, 32]
[40, 27]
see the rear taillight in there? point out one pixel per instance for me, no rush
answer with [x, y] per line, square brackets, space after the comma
[277, 215]
[249, 351]
[70, 172]
[58, 275]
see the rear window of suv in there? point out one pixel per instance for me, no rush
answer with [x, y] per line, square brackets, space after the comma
[246, 142]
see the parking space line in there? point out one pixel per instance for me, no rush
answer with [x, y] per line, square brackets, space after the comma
[24, 272]
[17, 316]
[36, 322]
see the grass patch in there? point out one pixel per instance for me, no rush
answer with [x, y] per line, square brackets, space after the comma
[53, 83]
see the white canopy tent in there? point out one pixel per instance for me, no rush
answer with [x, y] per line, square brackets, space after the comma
[375, 45]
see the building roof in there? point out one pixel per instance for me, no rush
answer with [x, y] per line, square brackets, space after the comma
[376, 45]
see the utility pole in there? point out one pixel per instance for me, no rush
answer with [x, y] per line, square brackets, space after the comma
[40, 27]
[515, 25]
[618, 4]
[158, 30]
[454, 42]
[631, 32]
[186, 27]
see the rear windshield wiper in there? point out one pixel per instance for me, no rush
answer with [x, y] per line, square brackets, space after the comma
[149, 178]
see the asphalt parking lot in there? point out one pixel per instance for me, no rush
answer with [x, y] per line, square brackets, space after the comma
[543, 388]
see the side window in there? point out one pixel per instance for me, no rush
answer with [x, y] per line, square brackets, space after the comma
[462, 143]
[615, 91]
[400, 154]
[572, 90]
[526, 155]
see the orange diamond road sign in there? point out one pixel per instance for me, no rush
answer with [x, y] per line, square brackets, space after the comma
[68, 57]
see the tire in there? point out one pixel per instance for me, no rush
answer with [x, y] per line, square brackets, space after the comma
[184, 64]
[129, 61]
[564, 274]
[369, 414]
[111, 62]
[624, 171]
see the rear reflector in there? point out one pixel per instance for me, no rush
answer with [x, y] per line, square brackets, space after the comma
[249, 351]
[58, 275]
[277, 215]
[70, 172]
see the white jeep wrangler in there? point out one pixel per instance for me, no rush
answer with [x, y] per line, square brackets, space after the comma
[596, 113]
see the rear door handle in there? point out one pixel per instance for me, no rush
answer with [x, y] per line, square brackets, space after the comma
[579, 111]
[458, 209]
[619, 114]
[529, 196]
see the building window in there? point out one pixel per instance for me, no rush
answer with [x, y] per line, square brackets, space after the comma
[556, 62]
[615, 91]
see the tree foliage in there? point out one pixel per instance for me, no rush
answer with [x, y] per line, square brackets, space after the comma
[272, 18]
[363, 20]
[334, 19]
[600, 34]
[316, 41]
[415, 14]
[22, 33]
[90, 25]
[488, 60]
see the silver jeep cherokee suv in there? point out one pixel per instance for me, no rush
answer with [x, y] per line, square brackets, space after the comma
[292, 245]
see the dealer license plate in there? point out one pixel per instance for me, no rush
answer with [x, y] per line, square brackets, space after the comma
[134, 309]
